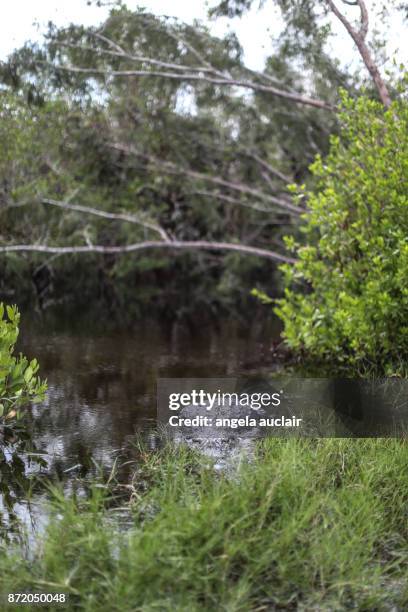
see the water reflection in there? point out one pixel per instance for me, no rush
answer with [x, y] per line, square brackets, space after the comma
[102, 384]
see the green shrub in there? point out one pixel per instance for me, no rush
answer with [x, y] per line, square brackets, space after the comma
[19, 386]
[18, 381]
[346, 299]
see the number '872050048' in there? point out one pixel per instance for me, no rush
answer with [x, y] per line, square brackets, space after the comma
[36, 598]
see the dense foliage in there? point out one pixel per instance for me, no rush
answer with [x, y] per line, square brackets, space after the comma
[346, 299]
[58, 127]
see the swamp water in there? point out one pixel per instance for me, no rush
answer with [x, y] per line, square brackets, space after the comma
[102, 389]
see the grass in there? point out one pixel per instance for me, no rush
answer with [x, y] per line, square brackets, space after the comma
[307, 525]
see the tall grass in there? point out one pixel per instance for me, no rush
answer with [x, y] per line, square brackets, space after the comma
[307, 525]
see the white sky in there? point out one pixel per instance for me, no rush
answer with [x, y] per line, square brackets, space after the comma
[254, 29]
[17, 22]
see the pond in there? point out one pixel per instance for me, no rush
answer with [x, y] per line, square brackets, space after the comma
[102, 383]
[102, 391]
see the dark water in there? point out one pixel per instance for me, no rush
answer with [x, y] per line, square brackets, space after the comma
[102, 384]
[102, 394]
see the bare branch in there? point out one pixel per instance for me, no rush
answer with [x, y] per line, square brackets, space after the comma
[137, 58]
[171, 168]
[195, 53]
[359, 39]
[108, 215]
[364, 19]
[230, 200]
[274, 171]
[114, 45]
[140, 246]
[205, 67]
[268, 180]
[201, 76]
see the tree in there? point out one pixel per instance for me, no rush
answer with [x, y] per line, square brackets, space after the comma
[305, 17]
[169, 142]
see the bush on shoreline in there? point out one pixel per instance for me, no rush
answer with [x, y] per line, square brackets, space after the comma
[19, 384]
[346, 299]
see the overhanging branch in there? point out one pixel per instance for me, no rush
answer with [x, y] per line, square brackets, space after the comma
[199, 75]
[171, 168]
[148, 245]
[108, 215]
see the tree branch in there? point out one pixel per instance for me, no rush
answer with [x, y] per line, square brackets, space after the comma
[140, 246]
[134, 58]
[107, 215]
[200, 76]
[274, 171]
[171, 168]
[359, 37]
[234, 201]
[205, 67]
[364, 19]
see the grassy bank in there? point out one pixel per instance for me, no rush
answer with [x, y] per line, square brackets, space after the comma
[313, 525]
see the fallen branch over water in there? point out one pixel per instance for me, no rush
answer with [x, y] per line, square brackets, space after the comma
[150, 244]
